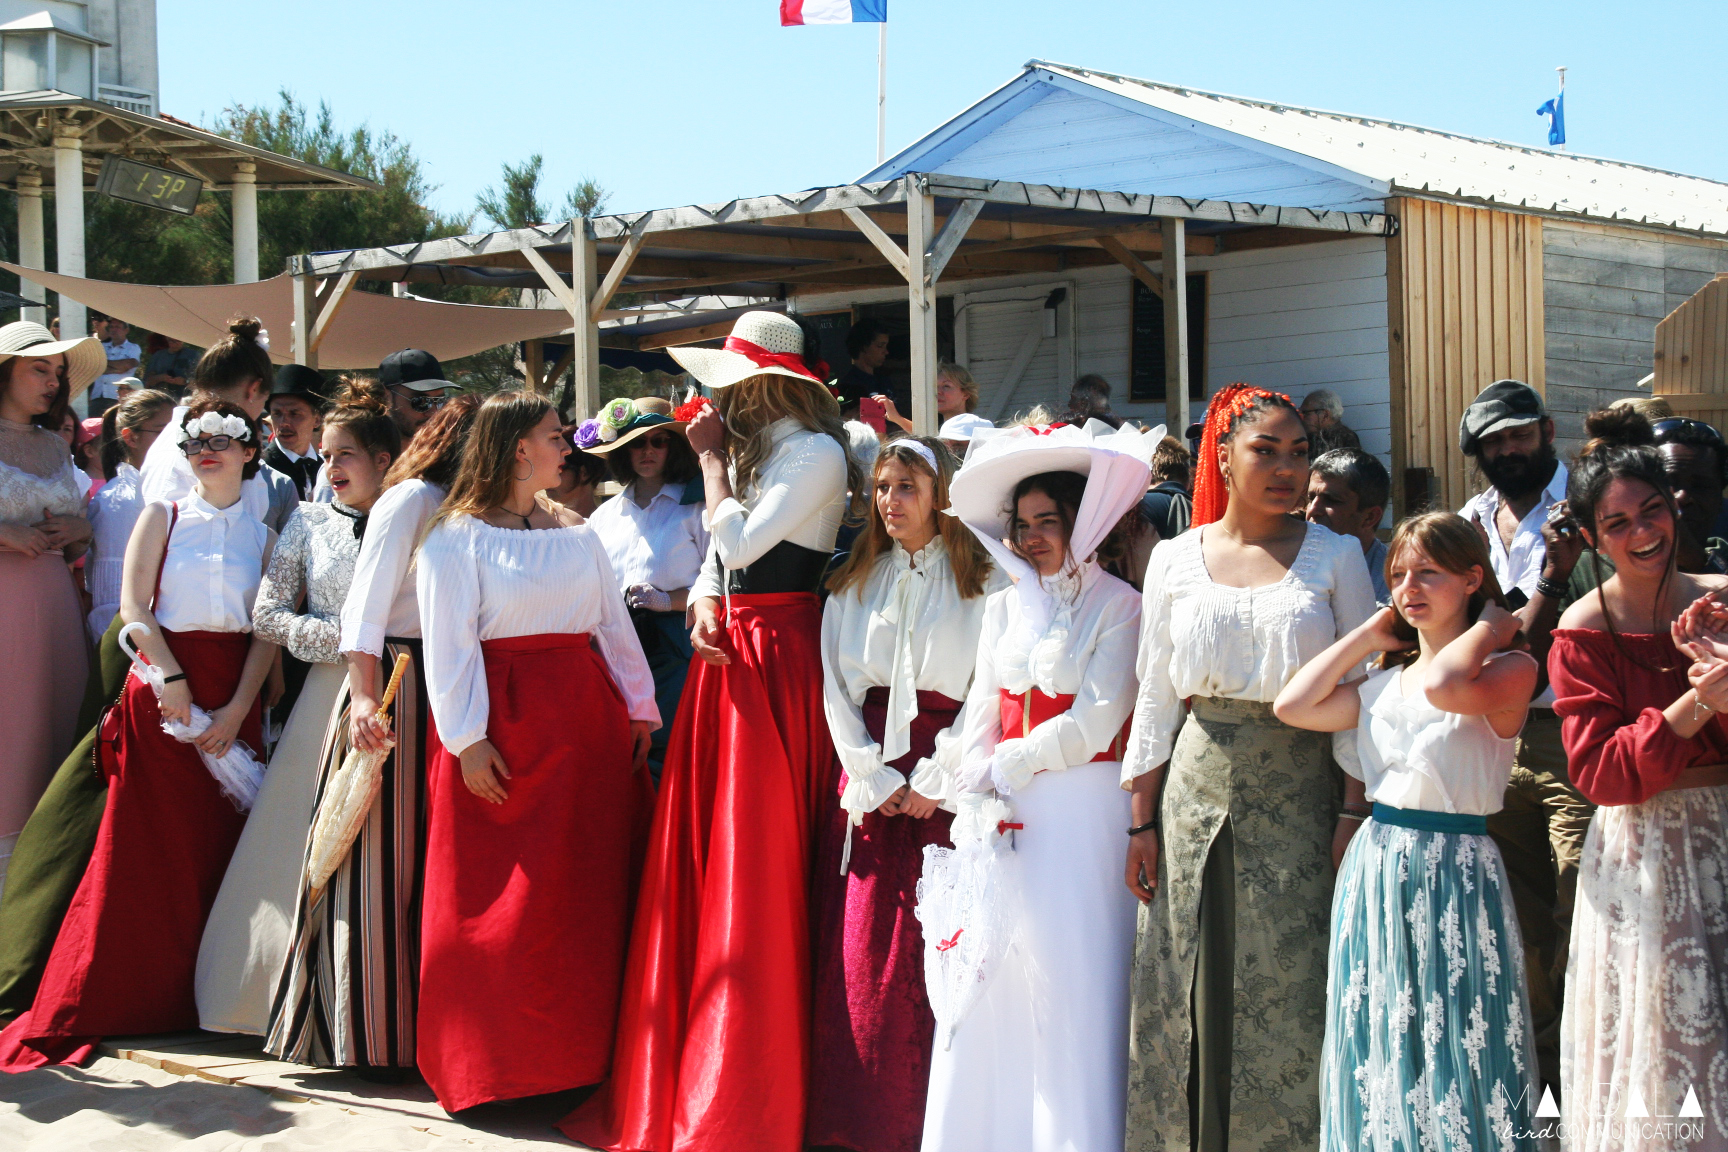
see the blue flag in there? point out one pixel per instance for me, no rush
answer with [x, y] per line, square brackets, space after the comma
[1555, 110]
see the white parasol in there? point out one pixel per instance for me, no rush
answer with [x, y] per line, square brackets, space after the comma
[348, 799]
[237, 771]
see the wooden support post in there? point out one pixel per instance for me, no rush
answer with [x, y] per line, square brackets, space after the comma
[305, 315]
[585, 332]
[1174, 264]
[953, 231]
[534, 363]
[884, 242]
[327, 309]
[921, 302]
[1119, 251]
[615, 274]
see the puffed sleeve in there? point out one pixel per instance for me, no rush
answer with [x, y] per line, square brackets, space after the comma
[386, 554]
[1157, 708]
[276, 612]
[799, 488]
[616, 638]
[1352, 603]
[869, 782]
[1100, 708]
[448, 582]
[1616, 753]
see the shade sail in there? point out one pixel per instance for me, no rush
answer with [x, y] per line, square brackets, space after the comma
[366, 328]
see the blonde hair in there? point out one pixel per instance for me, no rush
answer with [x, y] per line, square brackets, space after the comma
[966, 555]
[963, 379]
[488, 464]
[750, 408]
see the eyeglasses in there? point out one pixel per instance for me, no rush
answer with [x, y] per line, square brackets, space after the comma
[1672, 426]
[421, 401]
[196, 444]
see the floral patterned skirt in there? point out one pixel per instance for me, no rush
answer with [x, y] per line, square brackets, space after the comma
[1428, 1045]
[1230, 966]
[1644, 1038]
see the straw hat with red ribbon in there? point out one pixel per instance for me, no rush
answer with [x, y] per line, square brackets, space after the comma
[1211, 493]
[761, 343]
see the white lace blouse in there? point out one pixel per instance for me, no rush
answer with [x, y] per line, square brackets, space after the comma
[213, 565]
[907, 629]
[1086, 651]
[1201, 638]
[113, 513]
[1413, 755]
[478, 583]
[301, 598]
[799, 495]
[382, 600]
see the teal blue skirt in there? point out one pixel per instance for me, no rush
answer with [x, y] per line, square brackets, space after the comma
[1428, 1045]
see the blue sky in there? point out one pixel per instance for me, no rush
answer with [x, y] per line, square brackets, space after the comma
[671, 102]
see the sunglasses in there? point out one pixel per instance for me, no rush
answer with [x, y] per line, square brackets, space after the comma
[421, 401]
[1674, 425]
[661, 441]
[197, 444]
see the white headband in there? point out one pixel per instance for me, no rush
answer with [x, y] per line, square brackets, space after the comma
[921, 448]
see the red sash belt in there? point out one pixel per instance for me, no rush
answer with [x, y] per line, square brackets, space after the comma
[1022, 713]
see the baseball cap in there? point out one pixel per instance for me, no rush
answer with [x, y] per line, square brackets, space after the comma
[413, 368]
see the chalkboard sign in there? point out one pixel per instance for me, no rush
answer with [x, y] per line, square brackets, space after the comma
[149, 185]
[1146, 342]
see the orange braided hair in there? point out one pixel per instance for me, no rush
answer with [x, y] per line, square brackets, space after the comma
[1230, 404]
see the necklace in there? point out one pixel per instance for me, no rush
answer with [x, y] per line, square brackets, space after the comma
[523, 516]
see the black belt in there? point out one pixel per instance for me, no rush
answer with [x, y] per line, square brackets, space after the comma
[786, 567]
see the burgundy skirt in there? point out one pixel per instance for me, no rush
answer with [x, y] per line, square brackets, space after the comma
[124, 959]
[873, 1026]
[713, 1047]
[527, 903]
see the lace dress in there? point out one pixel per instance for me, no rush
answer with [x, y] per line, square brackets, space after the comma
[247, 938]
[43, 657]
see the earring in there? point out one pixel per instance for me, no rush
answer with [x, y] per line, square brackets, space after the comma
[520, 479]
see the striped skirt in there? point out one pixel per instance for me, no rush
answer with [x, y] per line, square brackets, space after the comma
[350, 990]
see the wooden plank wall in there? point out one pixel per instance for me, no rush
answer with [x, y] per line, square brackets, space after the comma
[1692, 355]
[1606, 288]
[1464, 305]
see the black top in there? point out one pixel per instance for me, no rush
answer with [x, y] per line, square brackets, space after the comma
[786, 567]
[855, 383]
[1168, 508]
[304, 472]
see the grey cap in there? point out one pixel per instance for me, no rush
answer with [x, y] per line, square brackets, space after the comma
[1503, 404]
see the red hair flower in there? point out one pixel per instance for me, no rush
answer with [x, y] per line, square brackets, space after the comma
[689, 412]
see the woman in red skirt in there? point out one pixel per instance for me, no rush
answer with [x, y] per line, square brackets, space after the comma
[537, 799]
[714, 1037]
[123, 961]
[899, 643]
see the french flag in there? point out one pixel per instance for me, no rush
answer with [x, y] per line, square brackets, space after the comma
[833, 12]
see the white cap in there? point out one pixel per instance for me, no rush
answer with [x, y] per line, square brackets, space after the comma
[962, 427]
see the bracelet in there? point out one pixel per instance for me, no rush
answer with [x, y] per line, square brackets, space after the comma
[167, 680]
[1150, 826]
[1356, 816]
[1699, 705]
[1550, 588]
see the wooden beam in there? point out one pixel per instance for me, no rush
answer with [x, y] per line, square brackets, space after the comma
[1175, 268]
[561, 367]
[305, 315]
[1132, 262]
[533, 364]
[585, 332]
[895, 255]
[615, 274]
[548, 276]
[948, 239]
[327, 310]
[921, 271]
[684, 336]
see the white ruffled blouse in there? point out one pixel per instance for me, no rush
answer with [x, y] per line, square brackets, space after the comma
[905, 628]
[478, 583]
[1202, 638]
[1086, 651]
[383, 601]
[1413, 755]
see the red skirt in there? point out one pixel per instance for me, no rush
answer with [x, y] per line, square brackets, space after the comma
[713, 1041]
[527, 903]
[874, 1030]
[124, 959]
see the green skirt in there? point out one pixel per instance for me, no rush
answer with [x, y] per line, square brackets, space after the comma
[1229, 985]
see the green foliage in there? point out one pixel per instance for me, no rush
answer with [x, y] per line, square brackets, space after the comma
[516, 202]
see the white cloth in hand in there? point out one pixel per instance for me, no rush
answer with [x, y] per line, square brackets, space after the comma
[649, 597]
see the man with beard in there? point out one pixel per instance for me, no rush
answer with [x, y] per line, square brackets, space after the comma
[1534, 548]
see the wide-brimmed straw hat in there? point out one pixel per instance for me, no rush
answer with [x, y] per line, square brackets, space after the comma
[627, 419]
[85, 359]
[761, 343]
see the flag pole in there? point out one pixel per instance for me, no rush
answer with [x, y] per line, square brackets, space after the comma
[882, 91]
[1562, 70]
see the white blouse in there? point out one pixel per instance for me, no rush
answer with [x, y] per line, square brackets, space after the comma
[383, 600]
[800, 495]
[662, 544]
[1413, 755]
[1202, 638]
[482, 583]
[214, 563]
[113, 512]
[905, 628]
[1086, 651]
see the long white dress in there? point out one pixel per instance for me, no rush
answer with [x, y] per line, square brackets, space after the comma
[1039, 1063]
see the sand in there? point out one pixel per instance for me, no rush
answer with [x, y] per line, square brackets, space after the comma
[114, 1105]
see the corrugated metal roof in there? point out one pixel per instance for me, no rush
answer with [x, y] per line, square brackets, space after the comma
[1262, 152]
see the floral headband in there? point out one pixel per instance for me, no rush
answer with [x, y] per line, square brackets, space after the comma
[216, 424]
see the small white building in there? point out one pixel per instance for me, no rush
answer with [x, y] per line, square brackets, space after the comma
[100, 50]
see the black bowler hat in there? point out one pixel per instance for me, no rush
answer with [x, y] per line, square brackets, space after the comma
[413, 368]
[299, 380]
[1503, 404]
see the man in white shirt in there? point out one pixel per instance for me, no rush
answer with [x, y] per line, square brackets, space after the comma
[1540, 831]
[122, 361]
